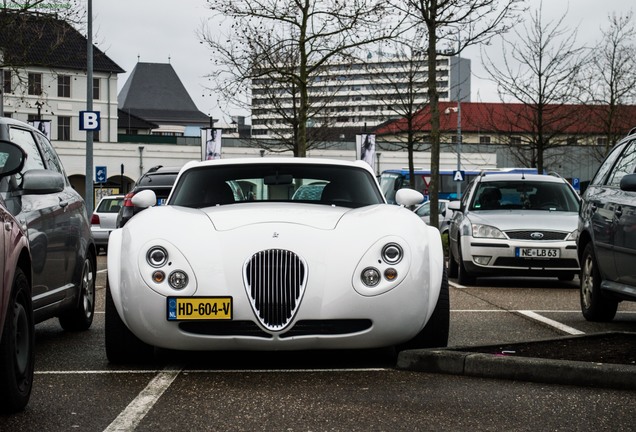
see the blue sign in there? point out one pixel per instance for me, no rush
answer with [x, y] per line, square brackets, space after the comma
[89, 120]
[100, 174]
[459, 176]
[576, 183]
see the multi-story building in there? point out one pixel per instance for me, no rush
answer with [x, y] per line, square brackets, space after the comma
[43, 71]
[359, 95]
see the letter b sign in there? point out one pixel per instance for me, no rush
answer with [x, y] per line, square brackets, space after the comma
[89, 120]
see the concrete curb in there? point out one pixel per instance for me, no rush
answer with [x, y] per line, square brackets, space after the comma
[622, 377]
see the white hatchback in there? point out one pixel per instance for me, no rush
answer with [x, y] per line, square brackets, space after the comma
[104, 219]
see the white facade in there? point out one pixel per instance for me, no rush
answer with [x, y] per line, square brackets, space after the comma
[21, 105]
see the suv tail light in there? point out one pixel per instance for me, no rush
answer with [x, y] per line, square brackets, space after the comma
[128, 199]
[95, 219]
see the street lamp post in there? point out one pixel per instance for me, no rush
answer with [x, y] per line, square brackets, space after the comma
[459, 114]
[88, 184]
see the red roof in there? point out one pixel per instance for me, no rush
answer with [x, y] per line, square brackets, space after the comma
[494, 117]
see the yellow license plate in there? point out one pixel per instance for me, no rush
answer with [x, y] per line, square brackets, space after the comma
[199, 308]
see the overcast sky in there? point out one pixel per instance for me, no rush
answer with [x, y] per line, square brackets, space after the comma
[166, 31]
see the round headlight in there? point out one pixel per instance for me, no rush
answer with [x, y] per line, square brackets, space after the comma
[157, 256]
[178, 280]
[392, 253]
[370, 276]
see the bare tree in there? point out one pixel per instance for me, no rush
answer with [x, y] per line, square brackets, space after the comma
[539, 69]
[443, 21]
[400, 91]
[284, 45]
[609, 81]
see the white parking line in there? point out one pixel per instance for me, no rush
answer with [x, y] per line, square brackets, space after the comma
[129, 418]
[552, 323]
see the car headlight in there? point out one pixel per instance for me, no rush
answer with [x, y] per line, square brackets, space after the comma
[370, 276]
[392, 253]
[157, 256]
[178, 280]
[487, 231]
[573, 236]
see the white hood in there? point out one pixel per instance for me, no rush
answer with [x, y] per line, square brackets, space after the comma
[230, 217]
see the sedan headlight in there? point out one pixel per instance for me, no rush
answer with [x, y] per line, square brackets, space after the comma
[487, 231]
[573, 236]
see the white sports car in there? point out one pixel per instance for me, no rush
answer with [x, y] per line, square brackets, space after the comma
[237, 261]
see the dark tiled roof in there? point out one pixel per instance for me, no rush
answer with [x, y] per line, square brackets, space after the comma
[155, 93]
[516, 118]
[30, 39]
[126, 120]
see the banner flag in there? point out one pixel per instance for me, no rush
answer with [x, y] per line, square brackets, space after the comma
[43, 126]
[211, 143]
[365, 148]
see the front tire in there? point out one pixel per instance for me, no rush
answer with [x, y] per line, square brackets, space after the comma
[81, 317]
[435, 332]
[17, 348]
[122, 346]
[594, 305]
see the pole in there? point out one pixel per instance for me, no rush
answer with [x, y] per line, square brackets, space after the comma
[459, 115]
[89, 107]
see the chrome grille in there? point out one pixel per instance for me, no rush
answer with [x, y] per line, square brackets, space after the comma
[527, 235]
[275, 282]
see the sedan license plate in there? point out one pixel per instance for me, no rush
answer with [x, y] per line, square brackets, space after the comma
[537, 253]
[199, 308]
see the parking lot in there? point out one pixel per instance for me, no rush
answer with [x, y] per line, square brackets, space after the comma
[76, 389]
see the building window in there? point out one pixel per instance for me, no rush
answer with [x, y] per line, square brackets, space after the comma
[6, 82]
[64, 86]
[35, 84]
[96, 88]
[602, 141]
[484, 140]
[96, 136]
[572, 141]
[515, 140]
[64, 128]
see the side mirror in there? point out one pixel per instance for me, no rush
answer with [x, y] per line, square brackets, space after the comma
[144, 199]
[454, 205]
[408, 197]
[12, 158]
[40, 182]
[628, 183]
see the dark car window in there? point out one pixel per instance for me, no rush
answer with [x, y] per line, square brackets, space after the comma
[524, 194]
[156, 180]
[625, 165]
[50, 156]
[204, 186]
[25, 139]
[607, 165]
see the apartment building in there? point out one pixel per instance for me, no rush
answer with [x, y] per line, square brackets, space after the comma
[359, 95]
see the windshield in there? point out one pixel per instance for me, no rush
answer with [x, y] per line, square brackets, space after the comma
[524, 194]
[318, 184]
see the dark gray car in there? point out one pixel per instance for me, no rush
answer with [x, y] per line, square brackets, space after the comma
[607, 239]
[54, 217]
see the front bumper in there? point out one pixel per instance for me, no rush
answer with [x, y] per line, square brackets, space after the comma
[498, 257]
